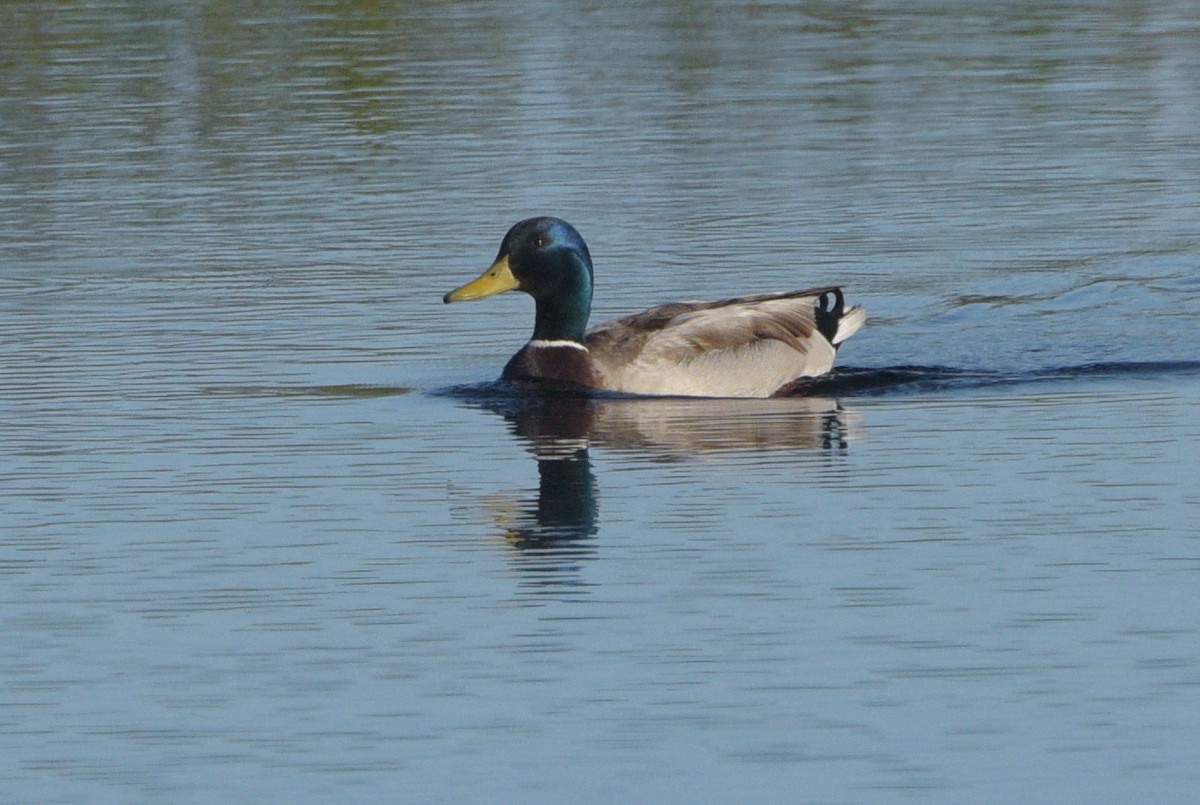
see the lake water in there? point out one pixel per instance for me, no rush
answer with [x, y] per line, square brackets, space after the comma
[269, 531]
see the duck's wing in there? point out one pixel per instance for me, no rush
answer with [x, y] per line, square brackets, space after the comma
[748, 346]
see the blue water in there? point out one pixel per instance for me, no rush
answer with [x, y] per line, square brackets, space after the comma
[271, 531]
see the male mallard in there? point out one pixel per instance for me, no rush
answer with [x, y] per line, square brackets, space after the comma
[752, 346]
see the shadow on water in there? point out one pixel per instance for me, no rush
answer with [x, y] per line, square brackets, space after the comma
[349, 390]
[898, 380]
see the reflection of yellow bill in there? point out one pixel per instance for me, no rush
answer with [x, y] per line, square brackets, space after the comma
[497, 279]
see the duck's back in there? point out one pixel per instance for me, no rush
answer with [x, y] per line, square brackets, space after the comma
[744, 347]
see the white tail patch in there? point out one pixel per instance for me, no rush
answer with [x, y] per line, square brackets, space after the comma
[849, 324]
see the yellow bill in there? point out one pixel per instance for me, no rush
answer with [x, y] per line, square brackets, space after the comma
[497, 279]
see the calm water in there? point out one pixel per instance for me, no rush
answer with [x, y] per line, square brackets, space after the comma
[270, 532]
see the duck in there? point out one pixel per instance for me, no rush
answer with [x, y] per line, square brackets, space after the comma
[765, 345]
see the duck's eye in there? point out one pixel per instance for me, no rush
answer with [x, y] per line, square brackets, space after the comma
[539, 241]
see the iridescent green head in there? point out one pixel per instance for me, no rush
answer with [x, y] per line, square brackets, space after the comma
[547, 259]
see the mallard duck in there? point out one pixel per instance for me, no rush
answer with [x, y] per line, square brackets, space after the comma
[751, 346]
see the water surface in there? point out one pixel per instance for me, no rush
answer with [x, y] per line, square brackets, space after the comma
[271, 531]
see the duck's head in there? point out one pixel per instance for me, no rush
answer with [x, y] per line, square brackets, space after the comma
[547, 259]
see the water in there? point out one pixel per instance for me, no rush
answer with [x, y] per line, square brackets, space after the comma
[271, 532]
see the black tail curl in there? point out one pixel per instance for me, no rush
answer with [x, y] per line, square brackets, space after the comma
[831, 306]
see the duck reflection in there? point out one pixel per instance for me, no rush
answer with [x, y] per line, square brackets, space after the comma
[565, 507]
[553, 530]
[557, 426]
[556, 430]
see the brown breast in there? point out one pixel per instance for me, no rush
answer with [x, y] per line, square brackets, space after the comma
[560, 361]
